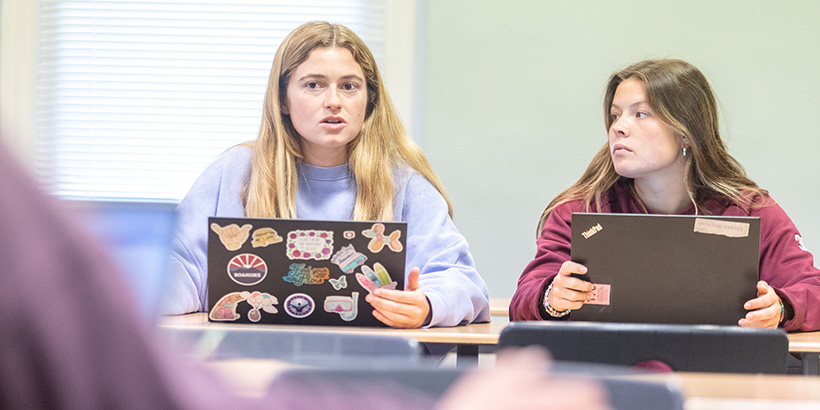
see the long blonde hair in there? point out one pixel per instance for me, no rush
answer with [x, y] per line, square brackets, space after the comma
[683, 99]
[373, 156]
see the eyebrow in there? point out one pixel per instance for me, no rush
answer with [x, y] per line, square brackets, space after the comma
[324, 77]
[635, 104]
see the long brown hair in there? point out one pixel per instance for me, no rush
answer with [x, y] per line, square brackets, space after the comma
[683, 99]
[381, 146]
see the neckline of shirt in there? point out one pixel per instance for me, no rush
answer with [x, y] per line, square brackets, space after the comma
[335, 173]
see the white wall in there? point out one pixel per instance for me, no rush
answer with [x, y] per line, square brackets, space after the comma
[511, 102]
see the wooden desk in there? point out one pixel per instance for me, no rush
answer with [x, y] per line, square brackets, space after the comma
[500, 307]
[466, 338]
[712, 391]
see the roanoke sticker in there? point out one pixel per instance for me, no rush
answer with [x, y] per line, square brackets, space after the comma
[247, 269]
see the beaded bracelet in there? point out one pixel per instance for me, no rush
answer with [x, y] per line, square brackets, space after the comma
[551, 310]
[782, 311]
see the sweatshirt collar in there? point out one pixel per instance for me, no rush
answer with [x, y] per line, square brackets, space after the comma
[338, 172]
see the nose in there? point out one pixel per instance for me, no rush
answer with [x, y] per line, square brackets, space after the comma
[332, 100]
[619, 126]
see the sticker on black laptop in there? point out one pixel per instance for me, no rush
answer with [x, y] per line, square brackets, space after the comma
[338, 284]
[346, 306]
[261, 301]
[232, 236]
[310, 244]
[348, 259]
[600, 295]
[225, 309]
[719, 227]
[349, 235]
[263, 237]
[379, 240]
[372, 279]
[247, 269]
[299, 305]
[301, 274]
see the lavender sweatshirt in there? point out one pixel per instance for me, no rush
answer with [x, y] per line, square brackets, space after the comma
[457, 294]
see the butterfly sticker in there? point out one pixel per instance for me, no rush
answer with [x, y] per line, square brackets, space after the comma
[340, 283]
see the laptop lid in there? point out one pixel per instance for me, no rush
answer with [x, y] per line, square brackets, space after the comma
[138, 236]
[292, 271]
[678, 269]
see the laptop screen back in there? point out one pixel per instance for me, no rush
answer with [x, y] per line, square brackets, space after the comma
[667, 268]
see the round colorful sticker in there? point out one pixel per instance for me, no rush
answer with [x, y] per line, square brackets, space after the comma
[247, 269]
[299, 305]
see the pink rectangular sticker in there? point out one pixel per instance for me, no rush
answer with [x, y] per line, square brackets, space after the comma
[600, 295]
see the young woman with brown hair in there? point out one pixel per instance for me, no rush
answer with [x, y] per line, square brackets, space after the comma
[665, 156]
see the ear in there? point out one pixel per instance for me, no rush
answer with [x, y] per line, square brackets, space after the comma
[284, 108]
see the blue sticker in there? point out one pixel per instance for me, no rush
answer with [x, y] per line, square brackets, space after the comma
[299, 305]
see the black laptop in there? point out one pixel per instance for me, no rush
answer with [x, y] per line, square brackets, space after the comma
[676, 269]
[293, 271]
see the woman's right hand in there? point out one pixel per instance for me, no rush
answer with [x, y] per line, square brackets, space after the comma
[569, 292]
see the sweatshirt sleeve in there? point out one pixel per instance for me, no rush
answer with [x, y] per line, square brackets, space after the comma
[216, 192]
[456, 292]
[788, 267]
[553, 250]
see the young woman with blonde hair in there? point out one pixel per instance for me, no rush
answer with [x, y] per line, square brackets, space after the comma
[665, 156]
[331, 147]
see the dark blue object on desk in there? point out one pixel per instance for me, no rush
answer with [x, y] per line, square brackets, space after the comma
[693, 348]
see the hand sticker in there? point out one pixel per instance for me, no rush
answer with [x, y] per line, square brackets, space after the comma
[232, 236]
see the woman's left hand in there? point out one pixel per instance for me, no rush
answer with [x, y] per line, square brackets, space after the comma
[764, 309]
[404, 309]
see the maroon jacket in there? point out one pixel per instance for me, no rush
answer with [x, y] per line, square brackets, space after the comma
[784, 263]
[70, 338]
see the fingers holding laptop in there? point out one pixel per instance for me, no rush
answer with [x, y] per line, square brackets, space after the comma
[569, 292]
[765, 310]
[406, 308]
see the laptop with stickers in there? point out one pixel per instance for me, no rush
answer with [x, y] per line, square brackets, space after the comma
[675, 269]
[291, 271]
